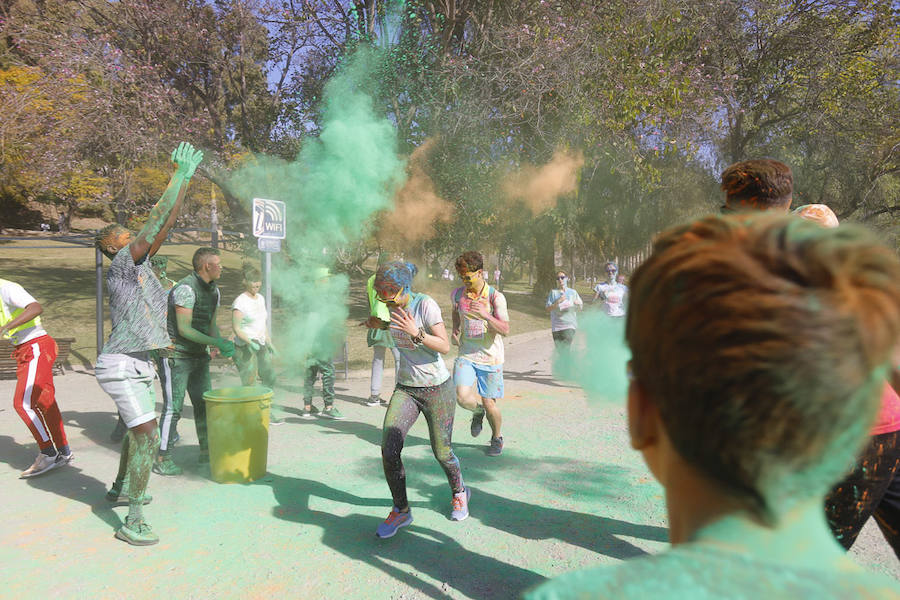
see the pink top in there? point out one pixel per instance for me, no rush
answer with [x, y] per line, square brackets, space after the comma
[888, 419]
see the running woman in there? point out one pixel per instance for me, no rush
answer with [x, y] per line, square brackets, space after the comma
[125, 367]
[562, 304]
[423, 386]
[612, 292]
[35, 395]
[480, 320]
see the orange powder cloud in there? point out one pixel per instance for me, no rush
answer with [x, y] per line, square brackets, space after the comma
[540, 187]
[417, 206]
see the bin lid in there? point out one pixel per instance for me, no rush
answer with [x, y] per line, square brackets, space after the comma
[238, 394]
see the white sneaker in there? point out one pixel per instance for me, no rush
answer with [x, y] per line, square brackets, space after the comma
[64, 459]
[42, 464]
[460, 505]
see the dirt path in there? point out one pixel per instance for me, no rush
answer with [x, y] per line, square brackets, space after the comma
[566, 493]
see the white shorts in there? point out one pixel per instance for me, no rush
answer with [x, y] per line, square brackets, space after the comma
[128, 379]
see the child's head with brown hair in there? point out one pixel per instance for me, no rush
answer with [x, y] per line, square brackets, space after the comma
[758, 184]
[761, 340]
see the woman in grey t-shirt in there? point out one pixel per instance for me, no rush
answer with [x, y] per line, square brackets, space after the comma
[423, 386]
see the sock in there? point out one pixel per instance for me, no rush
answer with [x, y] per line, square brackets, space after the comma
[49, 451]
[64, 450]
[142, 448]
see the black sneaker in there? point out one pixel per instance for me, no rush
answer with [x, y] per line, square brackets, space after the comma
[496, 447]
[477, 423]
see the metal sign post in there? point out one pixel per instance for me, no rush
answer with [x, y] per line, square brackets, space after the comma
[269, 227]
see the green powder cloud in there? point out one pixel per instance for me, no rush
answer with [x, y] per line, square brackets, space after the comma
[337, 182]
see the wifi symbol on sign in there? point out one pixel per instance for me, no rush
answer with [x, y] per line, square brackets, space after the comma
[269, 218]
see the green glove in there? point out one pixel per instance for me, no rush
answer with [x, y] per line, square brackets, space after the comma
[226, 347]
[187, 158]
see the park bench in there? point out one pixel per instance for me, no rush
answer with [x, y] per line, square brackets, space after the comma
[8, 363]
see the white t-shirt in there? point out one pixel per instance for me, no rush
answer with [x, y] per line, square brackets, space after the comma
[15, 297]
[613, 295]
[420, 366]
[564, 316]
[254, 314]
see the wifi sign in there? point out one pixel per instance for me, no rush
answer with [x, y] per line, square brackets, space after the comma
[269, 219]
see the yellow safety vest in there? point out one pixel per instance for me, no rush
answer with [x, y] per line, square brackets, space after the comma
[6, 317]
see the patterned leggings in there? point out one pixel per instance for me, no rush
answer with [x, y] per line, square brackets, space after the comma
[438, 404]
[871, 489]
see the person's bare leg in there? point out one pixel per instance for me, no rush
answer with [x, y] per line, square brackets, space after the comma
[492, 411]
[467, 397]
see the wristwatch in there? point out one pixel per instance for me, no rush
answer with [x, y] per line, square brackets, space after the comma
[419, 337]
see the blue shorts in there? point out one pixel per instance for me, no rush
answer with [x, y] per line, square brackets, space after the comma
[489, 377]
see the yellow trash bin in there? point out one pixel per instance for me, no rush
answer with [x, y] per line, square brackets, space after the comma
[237, 421]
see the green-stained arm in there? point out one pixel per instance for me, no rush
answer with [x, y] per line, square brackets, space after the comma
[183, 318]
[164, 213]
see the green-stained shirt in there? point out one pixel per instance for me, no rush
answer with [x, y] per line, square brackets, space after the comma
[377, 308]
[697, 571]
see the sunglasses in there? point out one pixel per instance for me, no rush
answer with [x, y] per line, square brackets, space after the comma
[392, 300]
[561, 277]
[469, 276]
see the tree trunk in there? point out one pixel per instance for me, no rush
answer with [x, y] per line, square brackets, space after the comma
[545, 254]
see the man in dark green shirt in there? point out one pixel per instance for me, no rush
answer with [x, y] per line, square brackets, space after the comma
[192, 326]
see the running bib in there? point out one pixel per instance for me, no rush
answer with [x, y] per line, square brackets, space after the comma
[614, 299]
[473, 329]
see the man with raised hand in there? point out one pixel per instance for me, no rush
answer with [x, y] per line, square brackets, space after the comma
[192, 327]
[480, 320]
[125, 368]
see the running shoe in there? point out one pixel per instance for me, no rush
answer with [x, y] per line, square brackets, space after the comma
[64, 459]
[386, 403]
[496, 447]
[460, 505]
[137, 533]
[309, 412]
[42, 464]
[165, 466]
[374, 400]
[331, 412]
[394, 521]
[477, 423]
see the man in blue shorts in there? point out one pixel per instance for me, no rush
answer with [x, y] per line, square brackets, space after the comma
[480, 320]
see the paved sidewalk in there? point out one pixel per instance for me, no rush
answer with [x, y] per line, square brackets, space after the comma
[568, 492]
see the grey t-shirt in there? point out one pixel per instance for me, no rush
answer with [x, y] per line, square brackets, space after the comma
[137, 306]
[420, 366]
